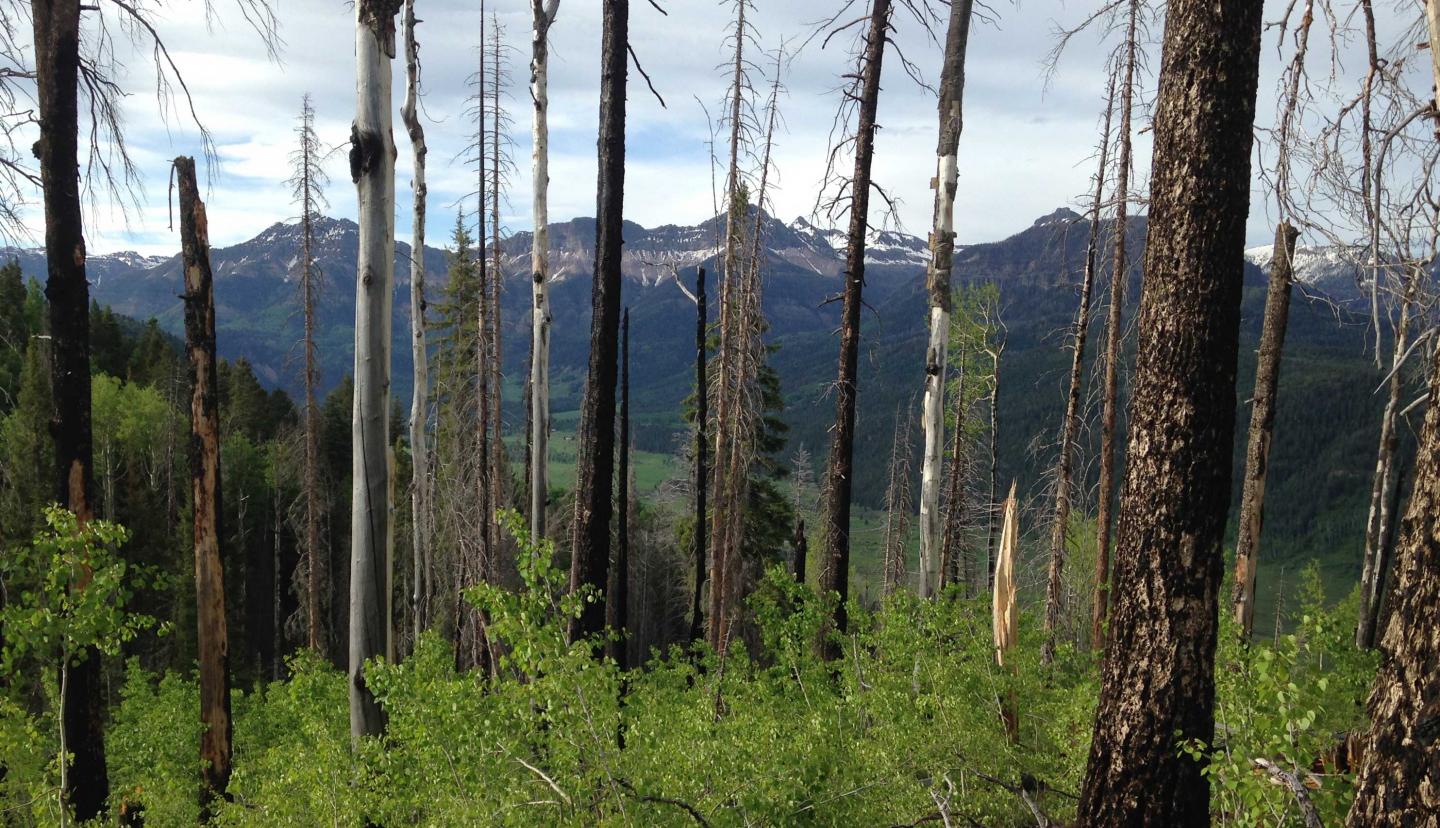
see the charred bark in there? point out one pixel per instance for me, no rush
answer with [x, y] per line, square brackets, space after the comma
[1262, 425]
[1158, 685]
[835, 574]
[618, 600]
[590, 556]
[211, 637]
[702, 445]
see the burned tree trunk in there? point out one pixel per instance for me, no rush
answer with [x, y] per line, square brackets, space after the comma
[1158, 684]
[211, 637]
[617, 606]
[1070, 428]
[590, 556]
[543, 13]
[835, 573]
[702, 444]
[499, 473]
[1114, 332]
[1399, 779]
[372, 167]
[1262, 424]
[937, 283]
[419, 400]
[57, 69]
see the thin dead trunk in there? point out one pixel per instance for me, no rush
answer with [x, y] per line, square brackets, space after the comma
[1070, 428]
[590, 556]
[57, 68]
[543, 14]
[952, 549]
[1262, 424]
[1379, 518]
[1114, 331]
[419, 400]
[211, 636]
[499, 475]
[993, 504]
[1158, 679]
[702, 444]
[937, 282]
[897, 505]
[835, 576]
[372, 168]
[618, 601]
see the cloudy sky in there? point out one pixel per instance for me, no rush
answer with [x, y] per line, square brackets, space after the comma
[1026, 147]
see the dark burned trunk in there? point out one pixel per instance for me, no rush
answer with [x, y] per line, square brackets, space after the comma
[702, 440]
[1070, 428]
[57, 67]
[590, 558]
[618, 604]
[835, 573]
[802, 549]
[1399, 779]
[1158, 685]
[1262, 424]
[205, 487]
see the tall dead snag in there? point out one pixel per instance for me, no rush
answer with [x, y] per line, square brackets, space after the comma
[937, 283]
[590, 555]
[543, 14]
[420, 397]
[498, 472]
[897, 505]
[1114, 332]
[1399, 780]
[950, 548]
[617, 605]
[1158, 684]
[307, 188]
[702, 444]
[839, 478]
[211, 638]
[1262, 424]
[1070, 428]
[57, 69]
[1386, 480]
[372, 167]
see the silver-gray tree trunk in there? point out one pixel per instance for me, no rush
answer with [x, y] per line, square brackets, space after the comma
[543, 14]
[419, 400]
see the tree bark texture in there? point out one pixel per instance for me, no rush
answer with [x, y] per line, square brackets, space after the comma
[1262, 425]
[211, 635]
[835, 573]
[618, 601]
[1399, 776]
[590, 556]
[372, 168]
[701, 472]
[57, 68]
[1158, 685]
[937, 283]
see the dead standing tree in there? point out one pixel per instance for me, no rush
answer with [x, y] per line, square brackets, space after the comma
[594, 484]
[307, 188]
[543, 15]
[1158, 684]
[212, 638]
[701, 470]
[372, 168]
[937, 283]
[421, 566]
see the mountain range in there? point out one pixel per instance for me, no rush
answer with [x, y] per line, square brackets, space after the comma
[1325, 424]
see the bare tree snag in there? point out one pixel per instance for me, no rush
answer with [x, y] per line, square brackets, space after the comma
[618, 601]
[839, 479]
[211, 636]
[1158, 684]
[1070, 428]
[702, 444]
[419, 354]
[1114, 332]
[590, 555]
[951, 547]
[1262, 425]
[937, 283]
[543, 14]
[57, 70]
[1399, 779]
[372, 168]
[499, 474]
